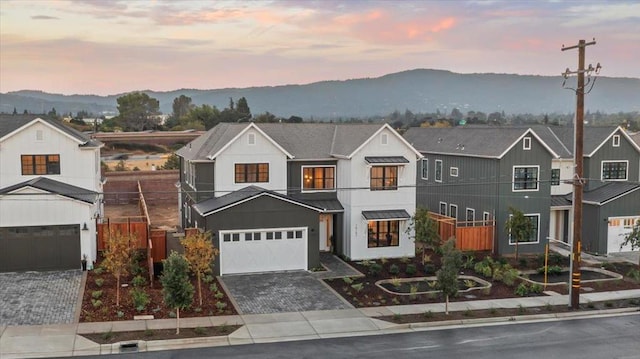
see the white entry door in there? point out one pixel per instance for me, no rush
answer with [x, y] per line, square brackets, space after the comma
[263, 250]
[619, 229]
[326, 229]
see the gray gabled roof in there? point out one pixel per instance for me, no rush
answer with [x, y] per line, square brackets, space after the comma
[301, 140]
[217, 204]
[55, 187]
[560, 138]
[490, 142]
[11, 123]
[608, 192]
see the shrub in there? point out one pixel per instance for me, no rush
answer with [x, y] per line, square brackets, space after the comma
[634, 274]
[469, 262]
[375, 269]
[395, 281]
[99, 282]
[429, 269]
[509, 276]
[358, 287]
[347, 280]
[98, 271]
[522, 262]
[199, 331]
[213, 287]
[522, 290]
[139, 298]
[535, 288]
[96, 294]
[96, 303]
[221, 306]
[394, 269]
[404, 260]
[139, 281]
[208, 278]
[552, 270]
[411, 269]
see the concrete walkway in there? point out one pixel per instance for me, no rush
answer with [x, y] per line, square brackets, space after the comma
[63, 340]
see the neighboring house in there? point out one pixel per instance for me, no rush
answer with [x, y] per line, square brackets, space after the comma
[475, 174]
[611, 198]
[274, 195]
[50, 191]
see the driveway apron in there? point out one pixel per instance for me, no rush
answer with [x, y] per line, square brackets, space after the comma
[281, 292]
[37, 298]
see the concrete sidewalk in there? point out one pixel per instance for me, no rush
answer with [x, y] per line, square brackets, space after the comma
[64, 340]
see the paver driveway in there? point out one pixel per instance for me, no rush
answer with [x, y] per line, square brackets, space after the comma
[35, 298]
[281, 292]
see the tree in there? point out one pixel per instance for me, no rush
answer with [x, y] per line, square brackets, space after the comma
[177, 291]
[519, 227]
[205, 115]
[426, 230]
[242, 107]
[138, 111]
[118, 250]
[172, 163]
[199, 253]
[448, 273]
[181, 106]
[633, 239]
[15, 111]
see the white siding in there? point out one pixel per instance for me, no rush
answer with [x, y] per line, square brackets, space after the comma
[566, 174]
[240, 151]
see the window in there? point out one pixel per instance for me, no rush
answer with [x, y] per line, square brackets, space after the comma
[486, 217]
[384, 178]
[425, 168]
[443, 208]
[438, 171]
[526, 143]
[252, 236]
[525, 178]
[191, 174]
[453, 171]
[39, 135]
[453, 211]
[252, 172]
[384, 139]
[40, 164]
[535, 221]
[616, 141]
[555, 176]
[384, 234]
[251, 138]
[614, 170]
[318, 178]
[471, 215]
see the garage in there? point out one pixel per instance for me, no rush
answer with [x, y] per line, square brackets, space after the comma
[40, 248]
[274, 249]
[618, 229]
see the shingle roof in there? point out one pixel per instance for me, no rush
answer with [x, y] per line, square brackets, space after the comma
[468, 141]
[56, 187]
[211, 205]
[609, 191]
[560, 139]
[10, 123]
[302, 140]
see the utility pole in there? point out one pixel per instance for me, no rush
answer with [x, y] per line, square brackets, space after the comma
[578, 180]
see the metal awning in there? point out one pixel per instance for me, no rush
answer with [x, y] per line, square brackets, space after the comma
[385, 159]
[329, 205]
[384, 215]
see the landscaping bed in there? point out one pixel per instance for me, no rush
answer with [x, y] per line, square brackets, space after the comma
[161, 334]
[99, 300]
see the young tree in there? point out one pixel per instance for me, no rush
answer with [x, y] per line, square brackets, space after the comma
[519, 227]
[448, 273]
[173, 162]
[119, 248]
[177, 290]
[199, 253]
[426, 230]
[633, 239]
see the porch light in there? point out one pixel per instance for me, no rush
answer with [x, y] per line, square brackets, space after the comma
[84, 227]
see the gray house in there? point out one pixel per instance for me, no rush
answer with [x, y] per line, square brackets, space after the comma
[274, 195]
[477, 174]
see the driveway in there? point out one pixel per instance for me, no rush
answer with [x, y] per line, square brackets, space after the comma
[281, 292]
[36, 298]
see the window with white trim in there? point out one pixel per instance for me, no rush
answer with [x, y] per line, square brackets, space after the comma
[438, 174]
[453, 211]
[425, 168]
[616, 141]
[614, 170]
[534, 238]
[453, 171]
[320, 178]
[251, 138]
[525, 178]
[555, 176]
[39, 135]
[486, 217]
[384, 139]
[443, 208]
[526, 143]
[471, 215]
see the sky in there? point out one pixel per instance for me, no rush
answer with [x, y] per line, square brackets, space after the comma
[109, 47]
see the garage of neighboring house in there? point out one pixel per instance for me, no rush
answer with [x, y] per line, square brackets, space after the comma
[257, 230]
[618, 229]
[40, 248]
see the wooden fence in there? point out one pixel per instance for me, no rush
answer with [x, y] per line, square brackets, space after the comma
[470, 236]
[139, 229]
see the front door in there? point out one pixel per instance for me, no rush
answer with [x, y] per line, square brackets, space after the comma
[326, 230]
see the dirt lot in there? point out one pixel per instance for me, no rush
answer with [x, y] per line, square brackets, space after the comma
[164, 216]
[141, 164]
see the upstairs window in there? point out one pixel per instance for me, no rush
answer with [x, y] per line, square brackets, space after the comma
[555, 176]
[425, 168]
[614, 170]
[453, 171]
[526, 143]
[384, 139]
[251, 138]
[616, 141]
[438, 171]
[318, 178]
[525, 178]
[384, 178]
[40, 164]
[251, 172]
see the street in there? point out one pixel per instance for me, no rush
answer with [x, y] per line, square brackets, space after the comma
[603, 337]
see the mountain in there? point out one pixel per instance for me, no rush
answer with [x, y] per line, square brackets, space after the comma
[420, 90]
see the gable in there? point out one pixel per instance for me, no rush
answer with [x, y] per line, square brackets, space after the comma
[531, 136]
[386, 136]
[250, 136]
[609, 141]
[39, 124]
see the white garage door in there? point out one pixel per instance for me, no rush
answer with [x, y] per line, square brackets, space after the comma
[619, 228]
[263, 250]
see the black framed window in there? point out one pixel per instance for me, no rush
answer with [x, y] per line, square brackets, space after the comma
[384, 234]
[384, 178]
[555, 176]
[614, 170]
[40, 164]
[525, 178]
[318, 178]
[251, 172]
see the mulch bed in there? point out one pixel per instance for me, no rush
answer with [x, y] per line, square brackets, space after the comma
[107, 310]
[160, 334]
[367, 294]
